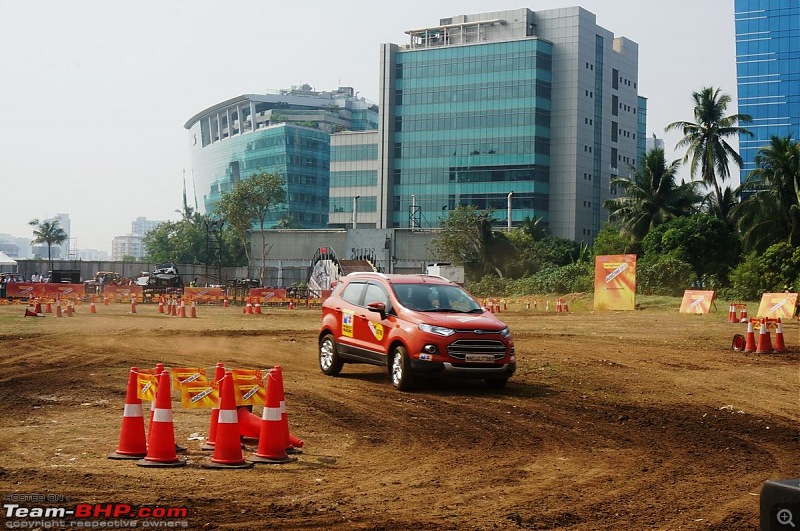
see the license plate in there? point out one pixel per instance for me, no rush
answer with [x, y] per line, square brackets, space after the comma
[479, 358]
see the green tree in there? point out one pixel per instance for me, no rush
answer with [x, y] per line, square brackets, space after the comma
[702, 240]
[771, 213]
[49, 232]
[706, 139]
[611, 240]
[248, 205]
[650, 196]
[467, 239]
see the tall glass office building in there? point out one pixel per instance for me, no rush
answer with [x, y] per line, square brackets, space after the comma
[286, 133]
[533, 109]
[767, 72]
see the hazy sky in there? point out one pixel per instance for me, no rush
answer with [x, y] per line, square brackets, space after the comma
[94, 93]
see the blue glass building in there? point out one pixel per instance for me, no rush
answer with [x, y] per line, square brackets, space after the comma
[287, 133]
[767, 72]
[533, 109]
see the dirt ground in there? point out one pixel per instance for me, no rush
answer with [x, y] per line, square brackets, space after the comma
[614, 421]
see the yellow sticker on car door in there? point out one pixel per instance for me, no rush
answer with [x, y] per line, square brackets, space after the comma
[377, 330]
[347, 323]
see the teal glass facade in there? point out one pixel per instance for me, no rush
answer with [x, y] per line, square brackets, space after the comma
[471, 124]
[767, 72]
[300, 155]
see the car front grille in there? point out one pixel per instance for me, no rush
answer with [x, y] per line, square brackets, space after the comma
[460, 348]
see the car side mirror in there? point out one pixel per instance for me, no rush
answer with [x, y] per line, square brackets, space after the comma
[378, 307]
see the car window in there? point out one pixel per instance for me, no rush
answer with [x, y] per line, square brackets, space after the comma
[375, 294]
[430, 297]
[352, 292]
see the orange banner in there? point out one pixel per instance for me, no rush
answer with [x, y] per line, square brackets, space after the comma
[203, 294]
[774, 305]
[269, 294]
[249, 387]
[65, 291]
[615, 282]
[182, 375]
[22, 290]
[199, 394]
[147, 384]
[696, 301]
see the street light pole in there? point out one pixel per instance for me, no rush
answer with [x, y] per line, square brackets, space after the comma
[355, 211]
[509, 210]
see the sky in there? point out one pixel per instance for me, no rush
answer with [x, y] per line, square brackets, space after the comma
[94, 94]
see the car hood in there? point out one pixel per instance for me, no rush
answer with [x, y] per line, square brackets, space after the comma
[458, 321]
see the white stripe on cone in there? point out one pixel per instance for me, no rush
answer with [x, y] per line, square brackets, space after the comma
[132, 410]
[162, 415]
[227, 416]
[272, 414]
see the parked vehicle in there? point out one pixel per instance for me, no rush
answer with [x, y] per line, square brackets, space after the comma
[414, 325]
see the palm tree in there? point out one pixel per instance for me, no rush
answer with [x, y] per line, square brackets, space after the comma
[651, 196]
[49, 232]
[706, 139]
[772, 213]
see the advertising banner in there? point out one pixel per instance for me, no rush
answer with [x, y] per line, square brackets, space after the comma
[122, 293]
[266, 295]
[147, 384]
[776, 305]
[65, 291]
[615, 282]
[206, 295]
[23, 290]
[695, 301]
[249, 387]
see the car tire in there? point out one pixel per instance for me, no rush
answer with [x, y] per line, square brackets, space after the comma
[496, 384]
[400, 369]
[329, 361]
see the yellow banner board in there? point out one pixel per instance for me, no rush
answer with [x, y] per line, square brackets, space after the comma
[774, 305]
[249, 387]
[697, 302]
[615, 282]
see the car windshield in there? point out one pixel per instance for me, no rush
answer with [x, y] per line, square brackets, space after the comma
[425, 297]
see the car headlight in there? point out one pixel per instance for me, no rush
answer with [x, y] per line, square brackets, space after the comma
[505, 332]
[438, 330]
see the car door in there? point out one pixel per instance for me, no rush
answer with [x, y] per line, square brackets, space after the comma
[351, 297]
[372, 329]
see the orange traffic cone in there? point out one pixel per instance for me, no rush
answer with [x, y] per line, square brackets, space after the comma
[161, 440]
[564, 306]
[764, 343]
[132, 440]
[193, 312]
[225, 302]
[174, 308]
[780, 346]
[743, 316]
[105, 301]
[182, 309]
[558, 305]
[133, 304]
[293, 444]
[228, 447]
[58, 309]
[37, 307]
[31, 313]
[161, 305]
[291, 305]
[92, 308]
[750, 338]
[70, 309]
[271, 441]
[48, 308]
[257, 308]
[219, 374]
[732, 314]
[249, 423]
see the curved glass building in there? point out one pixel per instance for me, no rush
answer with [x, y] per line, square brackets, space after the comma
[287, 133]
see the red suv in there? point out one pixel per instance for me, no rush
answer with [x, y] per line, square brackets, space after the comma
[413, 325]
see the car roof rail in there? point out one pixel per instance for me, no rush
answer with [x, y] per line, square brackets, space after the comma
[358, 273]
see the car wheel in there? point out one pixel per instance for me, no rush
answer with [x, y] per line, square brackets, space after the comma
[496, 383]
[402, 377]
[329, 360]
